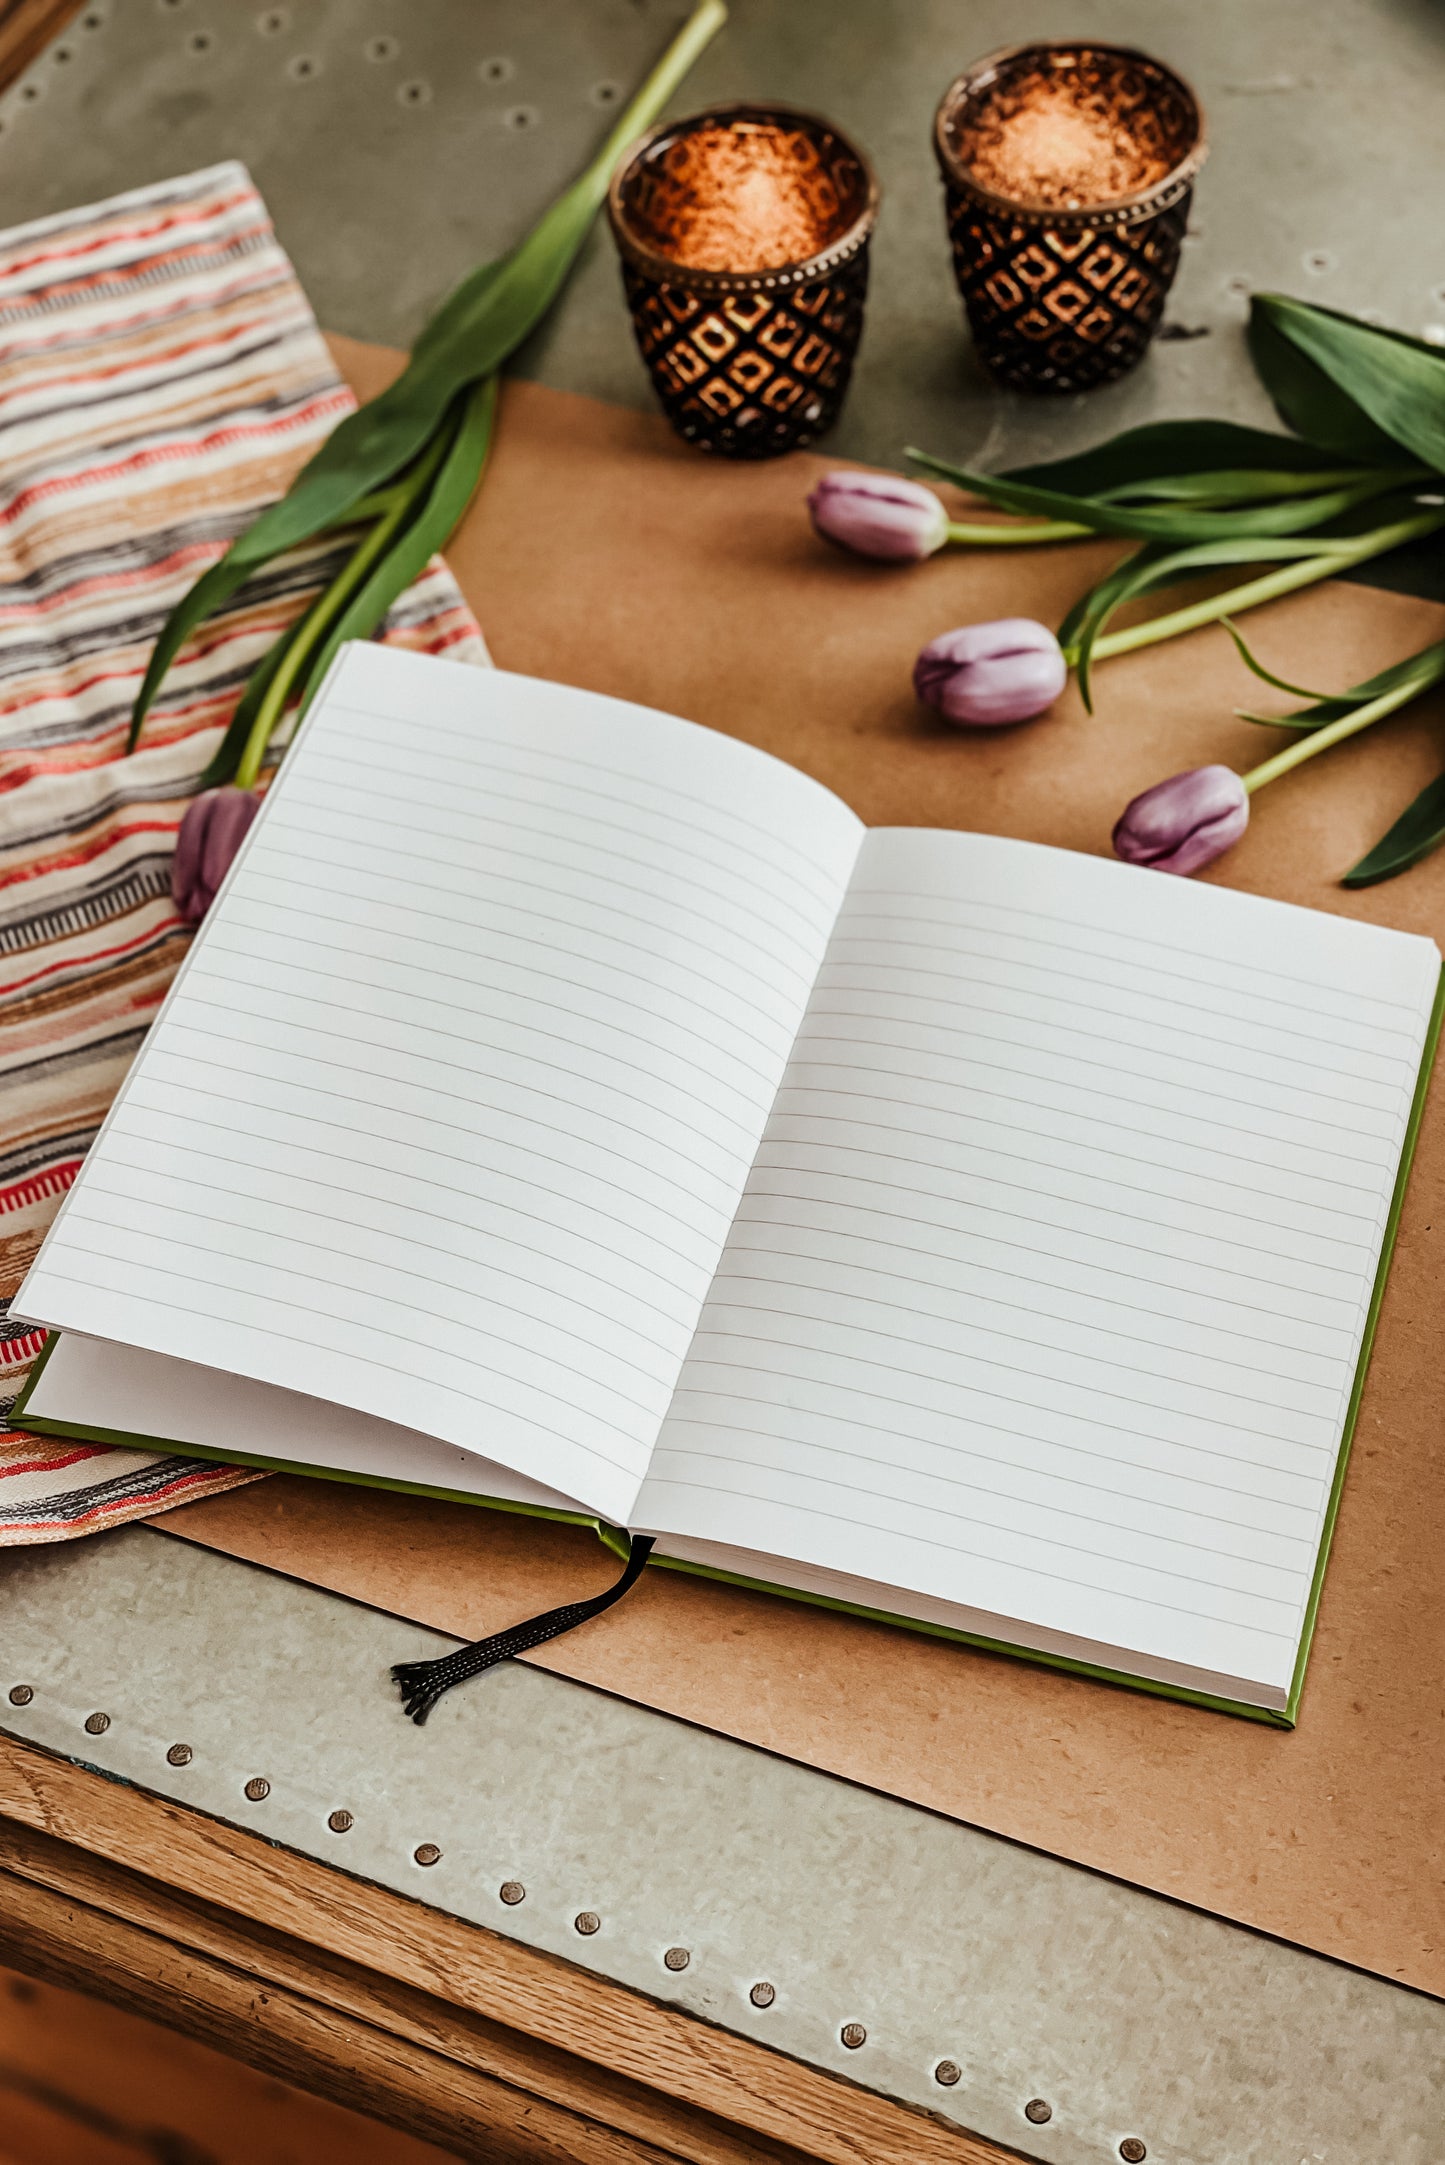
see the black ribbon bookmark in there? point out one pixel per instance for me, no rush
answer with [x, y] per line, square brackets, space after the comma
[423, 1682]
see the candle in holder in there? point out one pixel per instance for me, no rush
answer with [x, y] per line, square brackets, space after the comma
[744, 239]
[1067, 171]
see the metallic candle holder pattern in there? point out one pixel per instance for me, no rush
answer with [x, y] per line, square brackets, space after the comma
[1067, 171]
[743, 233]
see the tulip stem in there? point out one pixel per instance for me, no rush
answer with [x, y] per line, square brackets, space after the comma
[1320, 740]
[1288, 580]
[313, 627]
[1020, 534]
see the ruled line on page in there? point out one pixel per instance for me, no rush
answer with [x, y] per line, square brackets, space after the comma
[963, 1060]
[1075, 1514]
[496, 1234]
[1259, 1497]
[953, 1549]
[861, 895]
[571, 763]
[1055, 947]
[816, 1119]
[473, 881]
[994, 1108]
[816, 1092]
[844, 971]
[852, 1394]
[536, 1060]
[818, 888]
[766, 1223]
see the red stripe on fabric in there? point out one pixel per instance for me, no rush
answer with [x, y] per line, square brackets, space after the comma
[94, 956]
[264, 273]
[74, 1455]
[112, 236]
[333, 402]
[39, 1187]
[72, 290]
[14, 1351]
[148, 1499]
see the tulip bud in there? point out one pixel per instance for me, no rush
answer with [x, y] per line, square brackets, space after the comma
[879, 515]
[985, 674]
[1184, 823]
[210, 835]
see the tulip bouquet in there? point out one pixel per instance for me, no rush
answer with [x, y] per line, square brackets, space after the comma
[1361, 474]
[397, 474]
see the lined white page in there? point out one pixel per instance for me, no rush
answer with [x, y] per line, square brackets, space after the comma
[1046, 1294]
[451, 1106]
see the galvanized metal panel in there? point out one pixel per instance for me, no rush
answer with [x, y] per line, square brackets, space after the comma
[1128, 2015]
[397, 146]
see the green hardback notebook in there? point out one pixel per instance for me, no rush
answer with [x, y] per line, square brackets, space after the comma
[568, 1108]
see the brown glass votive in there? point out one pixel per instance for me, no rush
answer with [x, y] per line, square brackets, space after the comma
[1067, 171]
[744, 234]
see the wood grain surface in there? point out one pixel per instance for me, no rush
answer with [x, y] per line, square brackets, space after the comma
[441, 2028]
[26, 27]
[82, 2083]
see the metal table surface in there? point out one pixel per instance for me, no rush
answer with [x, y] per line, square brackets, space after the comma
[1127, 2015]
[396, 147]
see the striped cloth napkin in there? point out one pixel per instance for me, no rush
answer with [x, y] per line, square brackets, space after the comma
[161, 378]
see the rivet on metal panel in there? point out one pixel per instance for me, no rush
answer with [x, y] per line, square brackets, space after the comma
[273, 22]
[520, 117]
[92, 21]
[257, 1789]
[853, 2035]
[30, 92]
[427, 1853]
[340, 1822]
[605, 93]
[199, 43]
[762, 1995]
[21, 1694]
[1038, 2109]
[948, 2072]
[62, 53]
[587, 1922]
[303, 68]
[96, 1724]
[512, 1892]
[1318, 260]
[416, 92]
[676, 1958]
[1132, 2150]
[179, 1755]
[381, 49]
[497, 70]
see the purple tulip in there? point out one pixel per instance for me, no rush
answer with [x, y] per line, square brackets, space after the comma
[1186, 822]
[985, 674]
[211, 833]
[879, 515]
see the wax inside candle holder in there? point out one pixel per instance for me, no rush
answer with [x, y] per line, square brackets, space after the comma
[1072, 130]
[744, 196]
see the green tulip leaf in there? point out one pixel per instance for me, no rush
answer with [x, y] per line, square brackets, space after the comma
[1418, 830]
[1352, 387]
[1293, 515]
[1162, 451]
[439, 515]
[1413, 675]
[490, 314]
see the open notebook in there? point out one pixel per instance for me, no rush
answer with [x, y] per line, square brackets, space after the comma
[573, 1108]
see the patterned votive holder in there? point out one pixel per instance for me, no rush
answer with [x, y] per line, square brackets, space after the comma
[1067, 171]
[744, 234]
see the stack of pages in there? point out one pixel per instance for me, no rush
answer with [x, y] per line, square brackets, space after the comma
[573, 1109]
